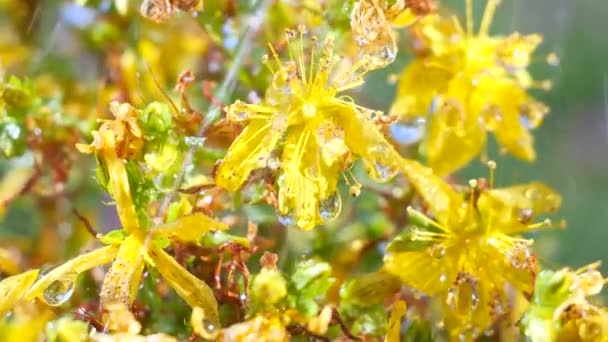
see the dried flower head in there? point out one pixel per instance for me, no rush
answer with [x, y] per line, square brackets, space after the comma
[318, 131]
[465, 85]
[467, 254]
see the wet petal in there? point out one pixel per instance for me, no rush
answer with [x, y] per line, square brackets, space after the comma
[441, 199]
[420, 83]
[119, 187]
[72, 268]
[366, 141]
[306, 179]
[122, 280]
[249, 151]
[189, 228]
[420, 270]
[505, 103]
[512, 209]
[454, 138]
[193, 290]
[12, 289]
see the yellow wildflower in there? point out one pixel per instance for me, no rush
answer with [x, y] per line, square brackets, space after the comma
[116, 140]
[129, 250]
[466, 253]
[372, 22]
[560, 311]
[318, 130]
[466, 84]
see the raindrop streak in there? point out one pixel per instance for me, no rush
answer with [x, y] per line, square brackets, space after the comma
[59, 291]
[330, 207]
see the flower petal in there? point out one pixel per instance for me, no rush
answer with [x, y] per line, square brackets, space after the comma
[420, 83]
[72, 268]
[189, 228]
[119, 187]
[501, 104]
[306, 179]
[420, 270]
[249, 150]
[12, 289]
[438, 195]
[454, 138]
[122, 280]
[511, 209]
[193, 290]
[365, 140]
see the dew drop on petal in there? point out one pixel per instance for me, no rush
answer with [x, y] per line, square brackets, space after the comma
[288, 219]
[408, 132]
[59, 291]
[437, 251]
[330, 207]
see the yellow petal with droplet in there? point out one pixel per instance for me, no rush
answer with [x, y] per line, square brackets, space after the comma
[72, 268]
[12, 289]
[193, 290]
[454, 138]
[512, 209]
[122, 280]
[438, 195]
[248, 152]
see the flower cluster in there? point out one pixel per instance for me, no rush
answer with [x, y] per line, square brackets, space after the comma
[226, 216]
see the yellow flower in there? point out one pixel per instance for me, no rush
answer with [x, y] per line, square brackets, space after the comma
[116, 140]
[372, 22]
[465, 85]
[129, 250]
[559, 310]
[318, 131]
[466, 253]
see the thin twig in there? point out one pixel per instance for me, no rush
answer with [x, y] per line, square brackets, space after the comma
[85, 221]
[335, 317]
[224, 91]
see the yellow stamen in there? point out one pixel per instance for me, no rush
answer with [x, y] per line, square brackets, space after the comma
[488, 17]
[469, 14]
[492, 167]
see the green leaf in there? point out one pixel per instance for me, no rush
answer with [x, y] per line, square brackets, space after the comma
[371, 288]
[114, 237]
[419, 331]
[156, 121]
[309, 284]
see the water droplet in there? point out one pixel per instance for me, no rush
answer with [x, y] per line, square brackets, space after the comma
[490, 117]
[553, 59]
[194, 142]
[59, 291]
[532, 115]
[408, 132]
[437, 251]
[383, 173]
[525, 215]
[442, 278]
[330, 207]
[288, 219]
[156, 10]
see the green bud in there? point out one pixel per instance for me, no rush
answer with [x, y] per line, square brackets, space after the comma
[269, 287]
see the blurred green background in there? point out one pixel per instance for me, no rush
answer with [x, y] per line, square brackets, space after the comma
[572, 144]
